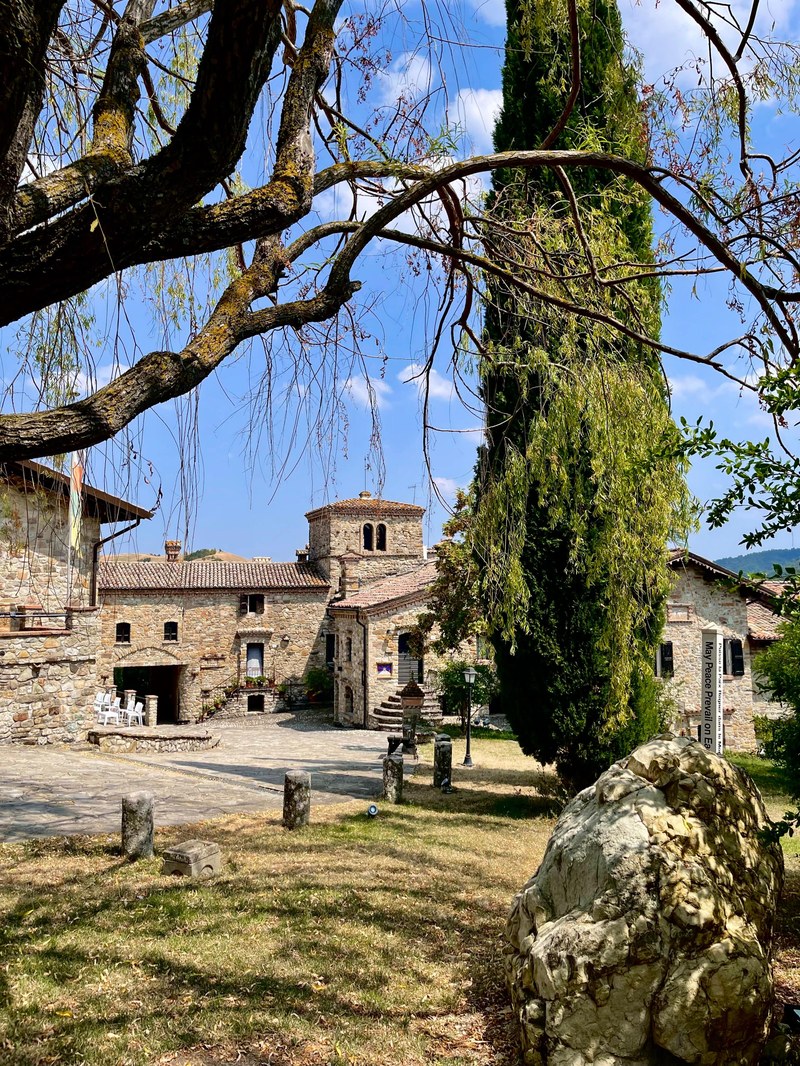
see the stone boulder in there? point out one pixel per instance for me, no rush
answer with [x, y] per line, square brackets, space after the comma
[645, 936]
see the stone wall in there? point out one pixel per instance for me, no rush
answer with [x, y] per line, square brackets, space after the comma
[48, 682]
[349, 670]
[696, 603]
[384, 627]
[34, 554]
[332, 534]
[48, 658]
[212, 637]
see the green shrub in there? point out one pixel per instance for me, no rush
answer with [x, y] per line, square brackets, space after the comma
[319, 684]
[454, 690]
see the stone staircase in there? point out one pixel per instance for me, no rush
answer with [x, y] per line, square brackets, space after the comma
[389, 715]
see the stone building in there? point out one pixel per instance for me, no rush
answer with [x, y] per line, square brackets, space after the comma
[706, 595]
[196, 633]
[372, 655]
[199, 634]
[49, 621]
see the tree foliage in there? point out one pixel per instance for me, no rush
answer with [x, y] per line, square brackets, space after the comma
[129, 154]
[579, 488]
[455, 693]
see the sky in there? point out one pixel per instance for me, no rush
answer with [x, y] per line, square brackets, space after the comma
[230, 486]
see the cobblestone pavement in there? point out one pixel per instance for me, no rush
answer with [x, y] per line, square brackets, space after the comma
[59, 791]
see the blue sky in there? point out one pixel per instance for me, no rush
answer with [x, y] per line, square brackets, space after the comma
[229, 487]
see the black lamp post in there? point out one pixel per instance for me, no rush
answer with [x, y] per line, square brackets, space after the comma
[469, 676]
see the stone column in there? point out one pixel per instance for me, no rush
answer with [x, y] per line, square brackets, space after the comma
[296, 799]
[393, 778]
[127, 695]
[442, 759]
[151, 710]
[137, 825]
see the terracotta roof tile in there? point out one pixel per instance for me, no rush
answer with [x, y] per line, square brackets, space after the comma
[762, 623]
[372, 504]
[388, 589]
[210, 575]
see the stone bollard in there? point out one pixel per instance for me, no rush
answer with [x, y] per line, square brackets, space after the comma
[151, 710]
[137, 825]
[442, 759]
[296, 799]
[393, 778]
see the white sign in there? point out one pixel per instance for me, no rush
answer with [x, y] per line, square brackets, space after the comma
[711, 690]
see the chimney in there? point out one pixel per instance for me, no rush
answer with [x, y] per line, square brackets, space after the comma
[173, 550]
[348, 578]
[302, 554]
[365, 494]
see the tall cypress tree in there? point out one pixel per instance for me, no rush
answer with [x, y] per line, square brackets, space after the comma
[576, 498]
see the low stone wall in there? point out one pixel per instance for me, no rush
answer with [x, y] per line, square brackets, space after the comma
[123, 741]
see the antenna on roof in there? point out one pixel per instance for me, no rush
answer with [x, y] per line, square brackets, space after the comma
[413, 492]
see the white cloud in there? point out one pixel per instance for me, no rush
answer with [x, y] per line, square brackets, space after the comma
[689, 385]
[438, 386]
[447, 486]
[366, 391]
[408, 79]
[476, 112]
[492, 12]
[668, 38]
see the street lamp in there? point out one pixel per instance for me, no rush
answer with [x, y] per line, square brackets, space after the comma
[469, 676]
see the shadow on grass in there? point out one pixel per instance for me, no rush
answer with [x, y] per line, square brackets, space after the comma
[385, 928]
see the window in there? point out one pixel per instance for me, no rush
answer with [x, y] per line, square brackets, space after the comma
[123, 632]
[380, 538]
[483, 649]
[733, 657]
[170, 631]
[348, 649]
[368, 537]
[330, 649]
[665, 666]
[251, 603]
[254, 660]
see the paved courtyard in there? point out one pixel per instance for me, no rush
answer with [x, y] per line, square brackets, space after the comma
[61, 791]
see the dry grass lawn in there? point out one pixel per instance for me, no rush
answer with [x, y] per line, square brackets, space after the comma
[355, 941]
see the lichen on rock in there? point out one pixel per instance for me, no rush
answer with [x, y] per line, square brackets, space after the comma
[644, 938]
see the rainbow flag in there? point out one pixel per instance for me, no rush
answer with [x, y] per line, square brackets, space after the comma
[75, 502]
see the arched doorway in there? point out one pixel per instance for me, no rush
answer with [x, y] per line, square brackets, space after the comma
[408, 667]
[161, 681]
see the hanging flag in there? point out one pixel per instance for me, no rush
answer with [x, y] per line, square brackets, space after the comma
[75, 502]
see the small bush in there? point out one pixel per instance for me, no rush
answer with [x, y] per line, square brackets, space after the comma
[319, 684]
[454, 690]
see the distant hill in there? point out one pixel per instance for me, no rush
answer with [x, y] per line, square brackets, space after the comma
[212, 555]
[761, 562]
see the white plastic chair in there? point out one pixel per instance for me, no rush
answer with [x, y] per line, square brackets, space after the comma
[134, 713]
[110, 714]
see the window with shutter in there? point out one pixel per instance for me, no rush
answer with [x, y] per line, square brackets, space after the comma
[734, 657]
[123, 632]
[170, 631]
[665, 666]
